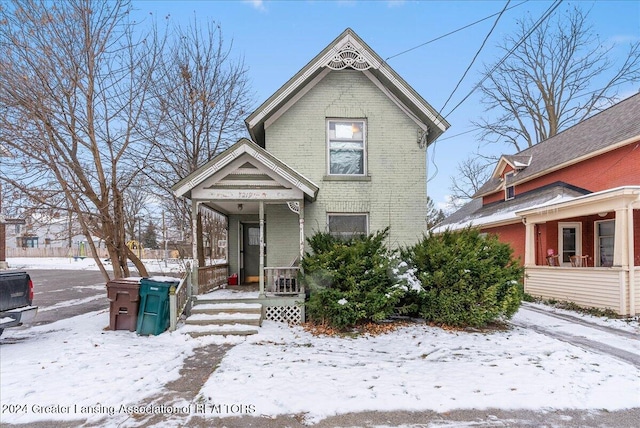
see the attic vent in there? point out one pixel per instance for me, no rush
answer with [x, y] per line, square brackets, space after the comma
[348, 56]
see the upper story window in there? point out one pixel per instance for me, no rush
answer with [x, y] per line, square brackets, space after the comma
[346, 146]
[509, 191]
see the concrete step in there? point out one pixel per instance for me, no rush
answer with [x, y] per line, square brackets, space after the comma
[222, 318]
[213, 308]
[219, 330]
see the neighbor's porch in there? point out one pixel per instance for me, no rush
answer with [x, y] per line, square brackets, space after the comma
[586, 250]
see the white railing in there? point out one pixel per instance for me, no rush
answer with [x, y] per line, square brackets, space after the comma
[179, 298]
[282, 280]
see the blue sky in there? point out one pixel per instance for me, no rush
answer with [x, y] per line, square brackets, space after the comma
[278, 38]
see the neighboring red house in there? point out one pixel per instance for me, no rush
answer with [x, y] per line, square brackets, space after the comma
[570, 208]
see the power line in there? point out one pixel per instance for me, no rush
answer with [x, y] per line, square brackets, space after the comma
[454, 31]
[484, 42]
[544, 16]
[548, 13]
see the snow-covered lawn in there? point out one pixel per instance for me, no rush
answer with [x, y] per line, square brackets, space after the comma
[75, 369]
[75, 363]
[87, 263]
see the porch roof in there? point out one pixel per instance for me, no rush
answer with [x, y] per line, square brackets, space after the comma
[505, 212]
[263, 175]
[593, 203]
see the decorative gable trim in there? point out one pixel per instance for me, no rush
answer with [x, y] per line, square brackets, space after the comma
[347, 51]
[350, 55]
[254, 168]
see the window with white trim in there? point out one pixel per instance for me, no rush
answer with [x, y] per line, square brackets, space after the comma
[605, 236]
[346, 147]
[509, 191]
[348, 225]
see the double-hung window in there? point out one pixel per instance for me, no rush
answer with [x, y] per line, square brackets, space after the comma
[509, 190]
[343, 225]
[605, 237]
[346, 146]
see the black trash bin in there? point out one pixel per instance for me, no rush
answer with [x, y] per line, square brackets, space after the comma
[124, 298]
[153, 314]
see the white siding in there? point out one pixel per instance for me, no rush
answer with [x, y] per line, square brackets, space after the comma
[588, 287]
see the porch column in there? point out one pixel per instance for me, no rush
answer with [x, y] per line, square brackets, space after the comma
[620, 244]
[261, 274]
[632, 262]
[529, 243]
[194, 246]
[301, 220]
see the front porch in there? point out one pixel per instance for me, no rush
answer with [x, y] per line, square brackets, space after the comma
[264, 202]
[586, 250]
[274, 306]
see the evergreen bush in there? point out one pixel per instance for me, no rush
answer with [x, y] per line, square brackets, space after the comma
[349, 280]
[469, 279]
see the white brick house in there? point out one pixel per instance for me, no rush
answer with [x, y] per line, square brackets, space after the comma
[341, 147]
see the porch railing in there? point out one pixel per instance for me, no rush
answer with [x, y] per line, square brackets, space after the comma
[179, 298]
[282, 280]
[210, 277]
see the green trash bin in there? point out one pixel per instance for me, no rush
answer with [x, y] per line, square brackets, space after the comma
[153, 314]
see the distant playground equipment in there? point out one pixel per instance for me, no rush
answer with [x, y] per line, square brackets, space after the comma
[80, 252]
[135, 245]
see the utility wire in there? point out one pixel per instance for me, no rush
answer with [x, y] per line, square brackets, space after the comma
[484, 42]
[544, 16]
[454, 31]
[548, 13]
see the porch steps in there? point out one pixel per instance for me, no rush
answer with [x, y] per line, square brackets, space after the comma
[237, 319]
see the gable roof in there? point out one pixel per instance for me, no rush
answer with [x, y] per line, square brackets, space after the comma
[609, 129]
[348, 50]
[247, 155]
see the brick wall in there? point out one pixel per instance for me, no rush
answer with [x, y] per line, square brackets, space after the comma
[514, 234]
[394, 193]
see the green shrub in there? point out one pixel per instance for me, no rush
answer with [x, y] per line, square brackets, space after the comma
[469, 279]
[349, 280]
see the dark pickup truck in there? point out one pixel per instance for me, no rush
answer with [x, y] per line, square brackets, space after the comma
[16, 296]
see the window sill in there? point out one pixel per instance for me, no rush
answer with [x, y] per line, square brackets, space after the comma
[346, 178]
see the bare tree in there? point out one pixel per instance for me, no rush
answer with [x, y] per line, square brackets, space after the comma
[473, 172]
[201, 97]
[558, 76]
[74, 80]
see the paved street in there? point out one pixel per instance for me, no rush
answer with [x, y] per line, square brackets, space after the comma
[61, 294]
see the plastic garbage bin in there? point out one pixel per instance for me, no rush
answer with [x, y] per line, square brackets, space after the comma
[153, 314]
[124, 298]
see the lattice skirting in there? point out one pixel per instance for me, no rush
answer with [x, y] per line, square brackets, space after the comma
[288, 314]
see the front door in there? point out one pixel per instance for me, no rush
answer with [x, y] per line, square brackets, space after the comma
[250, 252]
[569, 241]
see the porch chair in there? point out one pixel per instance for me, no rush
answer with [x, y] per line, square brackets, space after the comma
[553, 260]
[579, 261]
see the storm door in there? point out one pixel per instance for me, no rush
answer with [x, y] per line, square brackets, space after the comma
[569, 241]
[250, 252]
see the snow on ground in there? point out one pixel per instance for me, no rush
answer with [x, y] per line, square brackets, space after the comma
[75, 369]
[87, 263]
[285, 370]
